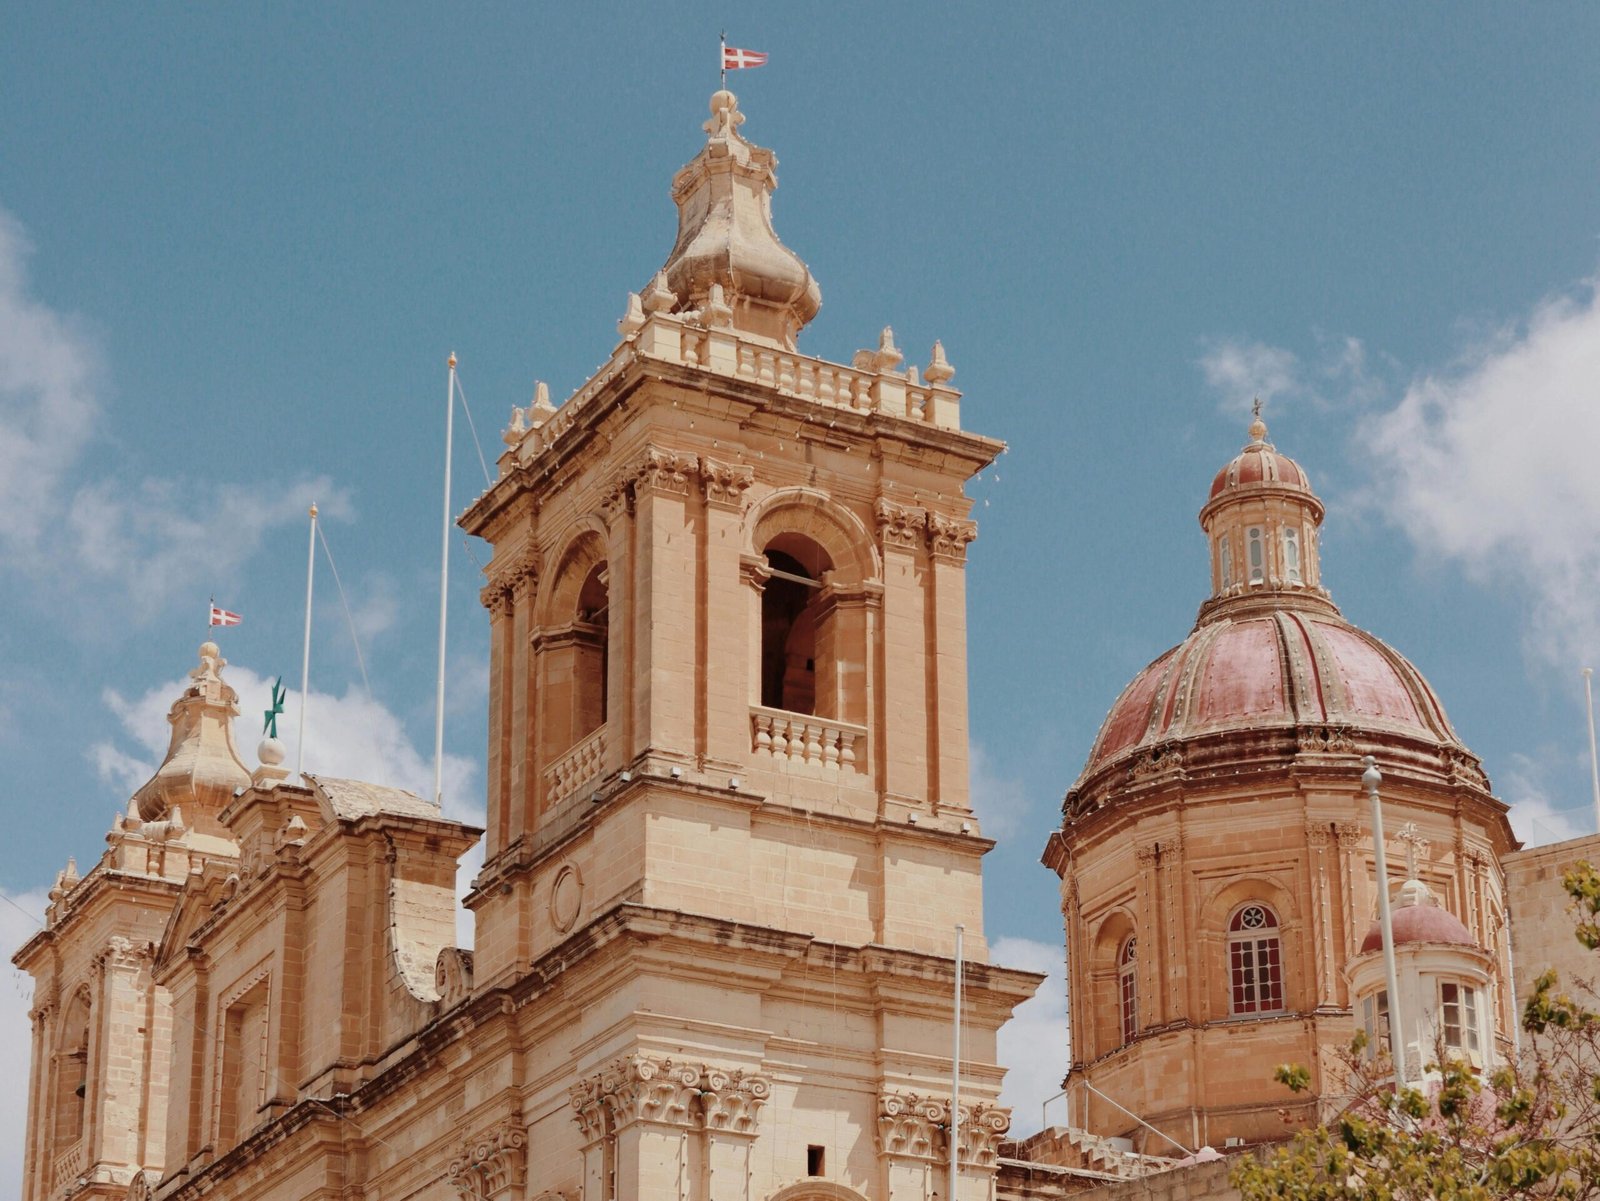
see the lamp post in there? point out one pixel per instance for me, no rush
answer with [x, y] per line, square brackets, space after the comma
[1371, 778]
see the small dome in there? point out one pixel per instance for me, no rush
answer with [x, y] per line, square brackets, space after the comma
[1285, 668]
[1420, 923]
[1260, 466]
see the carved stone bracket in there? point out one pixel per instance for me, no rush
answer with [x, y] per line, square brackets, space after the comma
[724, 484]
[663, 471]
[518, 576]
[731, 1102]
[493, 1165]
[948, 537]
[911, 1126]
[1324, 740]
[900, 526]
[1350, 835]
[452, 976]
[754, 571]
[639, 1088]
[1157, 760]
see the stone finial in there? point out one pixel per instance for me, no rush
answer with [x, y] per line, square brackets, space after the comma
[632, 318]
[202, 768]
[939, 370]
[658, 297]
[541, 400]
[887, 357]
[725, 237]
[518, 427]
[1258, 427]
[718, 312]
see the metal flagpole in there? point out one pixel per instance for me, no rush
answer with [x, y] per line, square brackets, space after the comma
[722, 60]
[1594, 761]
[305, 656]
[1371, 778]
[444, 587]
[955, 1078]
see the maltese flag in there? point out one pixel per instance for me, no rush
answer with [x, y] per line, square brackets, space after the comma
[221, 617]
[734, 59]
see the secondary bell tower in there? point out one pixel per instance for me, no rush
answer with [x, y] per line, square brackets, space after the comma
[728, 739]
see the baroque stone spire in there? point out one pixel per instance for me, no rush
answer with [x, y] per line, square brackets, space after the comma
[202, 767]
[725, 236]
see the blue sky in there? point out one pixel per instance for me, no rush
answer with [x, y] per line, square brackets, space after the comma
[236, 244]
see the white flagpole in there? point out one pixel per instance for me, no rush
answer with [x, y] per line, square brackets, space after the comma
[444, 587]
[955, 1079]
[722, 59]
[1594, 760]
[305, 656]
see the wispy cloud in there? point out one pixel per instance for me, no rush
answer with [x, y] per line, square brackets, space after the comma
[1491, 464]
[1000, 801]
[152, 538]
[1032, 1046]
[1535, 818]
[1241, 371]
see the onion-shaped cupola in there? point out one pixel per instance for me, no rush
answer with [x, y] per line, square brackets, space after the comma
[202, 768]
[726, 240]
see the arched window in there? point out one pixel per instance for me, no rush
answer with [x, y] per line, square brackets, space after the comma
[794, 635]
[1291, 556]
[1128, 988]
[1258, 554]
[72, 1072]
[1255, 961]
[590, 659]
[1226, 557]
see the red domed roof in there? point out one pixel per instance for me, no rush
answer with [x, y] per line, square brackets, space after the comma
[1285, 667]
[1420, 923]
[1258, 464]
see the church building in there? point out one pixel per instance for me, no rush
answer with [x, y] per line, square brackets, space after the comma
[732, 867]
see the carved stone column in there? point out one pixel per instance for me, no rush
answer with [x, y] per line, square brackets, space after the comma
[722, 710]
[663, 604]
[1326, 991]
[493, 1166]
[947, 627]
[901, 720]
[914, 1146]
[1147, 910]
[730, 1116]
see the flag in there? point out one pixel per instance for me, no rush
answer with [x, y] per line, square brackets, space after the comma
[733, 58]
[221, 617]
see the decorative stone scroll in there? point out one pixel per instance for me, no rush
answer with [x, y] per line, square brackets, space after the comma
[452, 976]
[663, 471]
[725, 483]
[493, 1165]
[519, 574]
[731, 1102]
[1324, 740]
[640, 1088]
[901, 526]
[911, 1126]
[948, 537]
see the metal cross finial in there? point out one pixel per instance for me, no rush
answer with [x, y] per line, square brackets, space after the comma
[1414, 841]
[1255, 409]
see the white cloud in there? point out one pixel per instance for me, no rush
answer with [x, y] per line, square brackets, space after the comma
[21, 915]
[999, 801]
[152, 538]
[1491, 464]
[1240, 372]
[1033, 1045]
[1534, 817]
[351, 736]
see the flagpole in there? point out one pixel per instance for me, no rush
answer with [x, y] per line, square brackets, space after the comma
[305, 655]
[444, 587]
[955, 1078]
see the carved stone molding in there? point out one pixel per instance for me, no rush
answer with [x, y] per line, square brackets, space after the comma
[663, 471]
[1157, 760]
[900, 526]
[518, 576]
[1317, 837]
[1145, 854]
[983, 1129]
[724, 484]
[493, 1165]
[1324, 740]
[141, 1188]
[754, 571]
[1350, 834]
[638, 1088]
[452, 976]
[948, 537]
[911, 1126]
[731, 1102]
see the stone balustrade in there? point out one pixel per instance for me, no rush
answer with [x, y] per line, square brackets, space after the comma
[803, 738]
[68, 1165]
[579, 766]
[671, 339]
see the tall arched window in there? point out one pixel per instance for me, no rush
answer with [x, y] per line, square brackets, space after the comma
[1255, 961]
[72, 1072]
[794, 635]
[590, 657]
[1128, 988]
[1258, 554]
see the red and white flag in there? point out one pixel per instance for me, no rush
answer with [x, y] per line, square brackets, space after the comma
[734, 59]
[221, 617]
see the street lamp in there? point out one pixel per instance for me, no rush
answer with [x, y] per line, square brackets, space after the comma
[1371, 778]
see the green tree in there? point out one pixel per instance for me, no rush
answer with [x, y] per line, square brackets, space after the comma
[1530, 1129]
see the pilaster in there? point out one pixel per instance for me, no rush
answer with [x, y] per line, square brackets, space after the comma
[903, 708]
[947, 625]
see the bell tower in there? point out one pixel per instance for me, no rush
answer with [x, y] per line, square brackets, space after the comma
[729, 709]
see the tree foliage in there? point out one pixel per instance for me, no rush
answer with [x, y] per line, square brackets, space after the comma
[1529, 1129]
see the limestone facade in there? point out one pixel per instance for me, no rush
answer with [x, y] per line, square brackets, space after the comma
[1216, 854]
[729, 838]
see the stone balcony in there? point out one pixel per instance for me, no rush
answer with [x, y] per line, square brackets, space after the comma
[801, 738]
[580, 766]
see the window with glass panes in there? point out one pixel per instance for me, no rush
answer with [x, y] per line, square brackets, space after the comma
[1128, 989]
[1255, 961]
[1458, 1012]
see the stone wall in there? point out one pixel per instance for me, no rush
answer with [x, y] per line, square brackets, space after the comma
[1541, 914]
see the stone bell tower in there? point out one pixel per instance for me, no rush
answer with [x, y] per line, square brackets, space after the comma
[728, 737]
